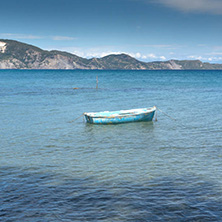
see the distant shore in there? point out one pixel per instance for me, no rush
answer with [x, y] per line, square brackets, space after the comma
[18, 55]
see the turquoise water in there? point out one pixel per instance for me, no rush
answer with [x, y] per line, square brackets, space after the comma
[55, 169]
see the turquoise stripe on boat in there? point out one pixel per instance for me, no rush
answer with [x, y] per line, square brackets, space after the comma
[122, 116]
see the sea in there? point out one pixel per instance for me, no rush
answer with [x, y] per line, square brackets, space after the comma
[56, 167]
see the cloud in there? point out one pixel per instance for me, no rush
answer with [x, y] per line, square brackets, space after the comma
[100, 54]
[203, 6]
[157, 46]
[217, 48]
[62, 38]
[214, 53]
[147, 57]
[88, 53]
[162, 57]
[151, 56]
[19, 36]
[214, 59]
[206, 58]
[30, 36]
[195, 57]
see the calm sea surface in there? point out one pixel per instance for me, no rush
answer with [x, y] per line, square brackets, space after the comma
[55, 169]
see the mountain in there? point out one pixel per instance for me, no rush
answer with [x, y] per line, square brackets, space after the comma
[18, 55]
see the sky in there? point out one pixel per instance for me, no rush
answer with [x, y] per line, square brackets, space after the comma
[149, 30]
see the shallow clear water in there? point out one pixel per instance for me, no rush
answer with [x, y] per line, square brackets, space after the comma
[55, 169]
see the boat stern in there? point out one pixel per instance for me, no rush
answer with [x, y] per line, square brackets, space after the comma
[88, 118]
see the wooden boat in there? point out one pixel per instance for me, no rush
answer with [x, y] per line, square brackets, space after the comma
[122, 116]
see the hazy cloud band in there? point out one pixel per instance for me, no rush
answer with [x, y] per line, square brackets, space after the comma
[204, 6]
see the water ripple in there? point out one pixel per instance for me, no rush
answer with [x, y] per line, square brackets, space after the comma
[32, 195]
